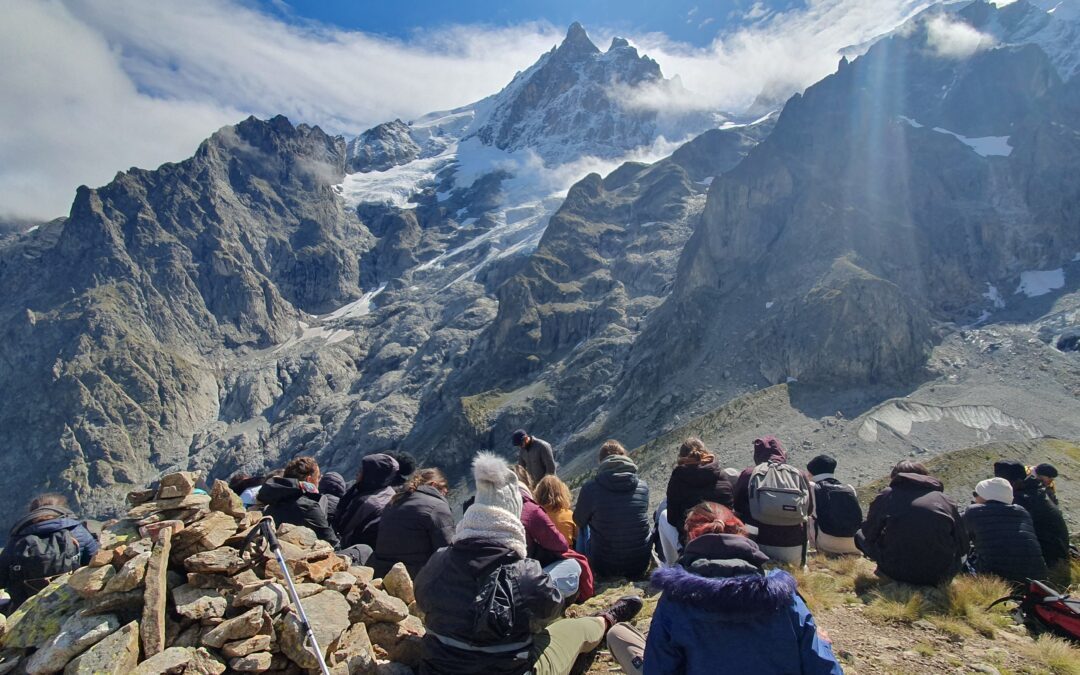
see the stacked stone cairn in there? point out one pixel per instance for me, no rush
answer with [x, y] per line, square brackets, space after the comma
[171, 591]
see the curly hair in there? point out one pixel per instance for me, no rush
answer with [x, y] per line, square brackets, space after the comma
[552, 493]
[301, 467]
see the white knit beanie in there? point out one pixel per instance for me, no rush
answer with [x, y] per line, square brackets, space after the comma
[496, 484]
[995, 490]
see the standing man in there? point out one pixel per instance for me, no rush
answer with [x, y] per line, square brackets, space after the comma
[534, 454]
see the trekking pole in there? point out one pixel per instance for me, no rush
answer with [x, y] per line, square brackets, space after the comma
[265, 527]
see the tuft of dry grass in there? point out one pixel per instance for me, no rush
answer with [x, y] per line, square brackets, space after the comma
[1056, 655]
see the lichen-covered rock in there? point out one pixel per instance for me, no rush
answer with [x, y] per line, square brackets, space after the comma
[89, 581]
[328, 615]
[116, 654]
[244, 626]
[198, 603]
[257, 643]
[77, 634]
[252, 663]
[39, 619]
[341, 582]
[110, 603]
[130, 576]
[399, 584]
[175, 660]
[269, 595]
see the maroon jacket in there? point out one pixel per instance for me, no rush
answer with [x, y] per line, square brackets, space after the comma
[767, 449]
[544, 540]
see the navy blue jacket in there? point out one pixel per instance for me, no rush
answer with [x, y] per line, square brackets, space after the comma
[615, 508]
[1005, 542]
[719, 611]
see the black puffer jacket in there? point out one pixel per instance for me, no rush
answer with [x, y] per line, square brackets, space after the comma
[692, 484]
[360, 510]
[412, 528]
[1049, 524]
[446, 592]
[615, 508]
[288, 503]
[1005, 542]
[914, 532]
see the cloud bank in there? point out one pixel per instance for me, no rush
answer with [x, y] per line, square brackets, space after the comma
[96, 86]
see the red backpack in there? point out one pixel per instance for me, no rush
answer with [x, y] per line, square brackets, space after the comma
[1045, 610]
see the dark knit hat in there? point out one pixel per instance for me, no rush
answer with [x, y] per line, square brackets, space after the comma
[519, 437]
[1048, 470]
[332, 483]
[821, 464]
[406, 466]
[1010, 469]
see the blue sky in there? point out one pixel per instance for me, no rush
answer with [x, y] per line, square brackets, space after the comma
[693, 22]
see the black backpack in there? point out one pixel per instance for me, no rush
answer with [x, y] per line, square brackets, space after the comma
[496, 616]
[837, 510]
[35, 559]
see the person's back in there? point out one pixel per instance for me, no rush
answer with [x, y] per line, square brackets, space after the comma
[615, 508]
[360, 510]
[289, 500]
[782, 543]
[914, 532]
[1005, 542]
[1050, 527]
[45, 543]
[414, 525]
[332, 489]
[697, 477]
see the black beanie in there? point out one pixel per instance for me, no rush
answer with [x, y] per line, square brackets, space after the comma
[821, 464]
[1010, 469]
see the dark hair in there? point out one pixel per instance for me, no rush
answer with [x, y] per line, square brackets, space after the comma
[301, 467]
[432, 477]
[712, 518]
[238, 480]
[908, 466]
[693, 452]
[406, 464]
[610, 448]
[48, 499]
[523, 476]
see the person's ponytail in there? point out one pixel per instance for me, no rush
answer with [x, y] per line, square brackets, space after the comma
[692, 452]
[432, 477]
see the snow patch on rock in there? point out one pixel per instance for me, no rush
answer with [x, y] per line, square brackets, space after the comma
[1040, 282]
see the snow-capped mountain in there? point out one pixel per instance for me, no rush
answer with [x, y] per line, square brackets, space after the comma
[1053, 25]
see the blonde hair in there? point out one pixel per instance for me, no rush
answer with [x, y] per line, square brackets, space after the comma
[523, 476]
[552, 493]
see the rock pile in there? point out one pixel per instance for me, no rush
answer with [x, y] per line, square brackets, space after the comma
[172, 590]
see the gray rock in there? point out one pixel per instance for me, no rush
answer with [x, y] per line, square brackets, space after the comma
[198, 603]
[155, 596]
[269, 595]
[328, 614]
[117, 654]
[78, 634]
[130, 576]
[245, 647]
[246, 625]
[252, 663]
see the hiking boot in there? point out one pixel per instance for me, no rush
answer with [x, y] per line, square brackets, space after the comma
[623, 609]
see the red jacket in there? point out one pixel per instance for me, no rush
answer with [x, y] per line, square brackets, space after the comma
[547, 545]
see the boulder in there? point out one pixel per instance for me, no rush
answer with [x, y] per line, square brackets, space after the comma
[203, 535]
[108, 603]
[77, 634]
[223, 560]
[117, 654]
[176, 485]
[223, 499]
[198, 603]
[268, 595]
[130, 576]
[308, 589]
[192, 501]
[257, 643]
[363, 574]
[103, 556]
[371, 605]
[175, 660]
[297, 535]
[152, 627]
[246, 625]
[399, 584]
[341, 582]
[352, 650]
[403, 641]
[39, 619]
[328, 615]
[89, 581]
[253, 663]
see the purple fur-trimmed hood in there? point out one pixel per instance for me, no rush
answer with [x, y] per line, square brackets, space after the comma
[746, 594]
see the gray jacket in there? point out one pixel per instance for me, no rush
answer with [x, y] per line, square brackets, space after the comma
[538, 458]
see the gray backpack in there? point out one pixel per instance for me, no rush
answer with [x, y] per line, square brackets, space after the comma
[779, 495]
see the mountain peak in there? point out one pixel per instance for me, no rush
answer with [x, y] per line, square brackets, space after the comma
[577, 42]
[617, 42]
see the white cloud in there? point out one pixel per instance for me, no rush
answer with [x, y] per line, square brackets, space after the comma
[954, 39]
[102, 85]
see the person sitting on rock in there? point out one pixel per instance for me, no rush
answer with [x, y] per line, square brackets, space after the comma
[612, 515]
[719, 611]
[782, 543]
[485, 601]
[837, 513]
[1003, 535]
[554, 496]
[47, 542]
[360, 510]
[534, 454]
[294, 498]
[1050, 527]
[547, 545]
[913, 531]
[697, 477]
[332, 489]
[416, 523]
